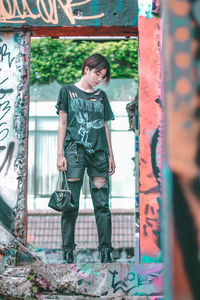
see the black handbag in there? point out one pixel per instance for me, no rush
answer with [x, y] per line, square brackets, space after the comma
[61, 199]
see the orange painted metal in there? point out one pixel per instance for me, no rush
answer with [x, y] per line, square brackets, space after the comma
[150, 114]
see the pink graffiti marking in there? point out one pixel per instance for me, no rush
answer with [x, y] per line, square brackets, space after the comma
[82, 275]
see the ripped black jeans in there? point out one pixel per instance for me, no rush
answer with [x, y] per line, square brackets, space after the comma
[78, 160]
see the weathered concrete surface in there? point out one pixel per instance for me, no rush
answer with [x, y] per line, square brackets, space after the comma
[13, 252]
[62, 297]
[14, 69]
[23, 275]
[88, 280]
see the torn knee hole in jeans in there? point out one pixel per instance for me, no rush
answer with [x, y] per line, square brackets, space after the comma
[99, 183]
[73, 179]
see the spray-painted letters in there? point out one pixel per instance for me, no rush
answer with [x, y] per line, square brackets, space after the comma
[9, 80]
[47, 11]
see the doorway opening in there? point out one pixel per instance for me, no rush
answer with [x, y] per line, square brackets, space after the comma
[44, 224]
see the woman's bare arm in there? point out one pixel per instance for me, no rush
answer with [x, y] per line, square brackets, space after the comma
[111, 156]
[62, 127]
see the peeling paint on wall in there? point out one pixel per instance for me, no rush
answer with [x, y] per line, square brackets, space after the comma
[13, 131]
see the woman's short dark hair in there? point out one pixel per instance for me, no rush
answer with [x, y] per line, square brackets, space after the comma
[98, 62]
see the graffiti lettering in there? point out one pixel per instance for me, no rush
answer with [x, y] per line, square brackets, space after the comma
[7, 91]
[4, 53]
[150, 222]
[4, 107]
[5, 104]
[4, 132]
[8, 156]
[121, 284]
[3, 82]
[46, 10]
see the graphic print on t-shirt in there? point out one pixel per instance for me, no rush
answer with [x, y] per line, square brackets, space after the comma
[78, 104]
[86, 125]
[87, 114]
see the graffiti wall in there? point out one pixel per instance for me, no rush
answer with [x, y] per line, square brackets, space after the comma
[150, 114]
[182, 96]
[13, 131]
[115, 280]
[66, 13]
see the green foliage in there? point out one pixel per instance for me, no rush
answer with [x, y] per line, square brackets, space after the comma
[61, 60]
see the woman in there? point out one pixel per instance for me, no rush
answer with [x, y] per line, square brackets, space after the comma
[84, 143]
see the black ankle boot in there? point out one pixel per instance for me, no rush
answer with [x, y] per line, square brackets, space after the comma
[105, 256]
[68, 257]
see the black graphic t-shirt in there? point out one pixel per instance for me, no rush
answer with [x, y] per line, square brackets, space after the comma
[87, 113]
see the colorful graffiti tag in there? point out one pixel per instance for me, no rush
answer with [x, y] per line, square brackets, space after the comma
[12, 131]
[8, 147]
[48, 12]
[123, 280]
[66, 13]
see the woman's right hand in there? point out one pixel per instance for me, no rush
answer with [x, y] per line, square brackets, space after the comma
[61, 163]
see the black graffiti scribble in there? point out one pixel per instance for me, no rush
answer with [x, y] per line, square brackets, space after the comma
[4, 80]
[154, 146]
[4, 53]
[4, 109]
[155, 168]
[4, 132]
[8, 156]
[6, 215]
[150, 221]
[122, 285]
[6, 91]
[154, 143]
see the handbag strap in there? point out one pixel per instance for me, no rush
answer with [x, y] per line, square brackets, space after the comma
[62, 181]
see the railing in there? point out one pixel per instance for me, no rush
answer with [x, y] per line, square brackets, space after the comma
[44, 229]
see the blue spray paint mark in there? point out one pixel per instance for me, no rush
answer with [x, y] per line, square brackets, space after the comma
[136, 143]
[151, 259]
[119, 6]
[16, 38]
[135, 20]
[95, 12]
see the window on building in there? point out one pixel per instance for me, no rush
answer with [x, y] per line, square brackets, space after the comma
[43, 122]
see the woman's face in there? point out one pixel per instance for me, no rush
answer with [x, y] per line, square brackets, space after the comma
[94, 77]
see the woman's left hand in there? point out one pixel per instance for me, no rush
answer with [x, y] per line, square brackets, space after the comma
[112, 166]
